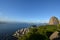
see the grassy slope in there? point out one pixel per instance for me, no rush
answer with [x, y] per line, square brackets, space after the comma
[43, 31]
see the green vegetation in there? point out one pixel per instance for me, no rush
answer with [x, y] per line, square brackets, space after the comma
[39, 33]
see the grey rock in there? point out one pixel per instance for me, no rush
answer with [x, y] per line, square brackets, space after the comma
[21, 32]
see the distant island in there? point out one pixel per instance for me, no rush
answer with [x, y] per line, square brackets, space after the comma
[2, 22]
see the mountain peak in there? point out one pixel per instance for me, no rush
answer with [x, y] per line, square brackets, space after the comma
[53, 21]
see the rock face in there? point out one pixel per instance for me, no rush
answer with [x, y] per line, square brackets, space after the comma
[53, 21]
[59, 21]
[55, 36]
[21, 32]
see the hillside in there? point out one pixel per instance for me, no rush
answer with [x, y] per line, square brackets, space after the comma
[39, 33]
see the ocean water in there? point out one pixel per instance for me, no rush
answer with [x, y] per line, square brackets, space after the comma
[8, 29]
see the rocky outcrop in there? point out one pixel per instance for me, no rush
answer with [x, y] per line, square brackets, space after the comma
[21, 32]
[59, 21]
[55, 36]
[53, 21]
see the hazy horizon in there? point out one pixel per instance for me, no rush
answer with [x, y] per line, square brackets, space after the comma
[29, 10]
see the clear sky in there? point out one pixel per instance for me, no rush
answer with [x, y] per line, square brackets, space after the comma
[29, 10]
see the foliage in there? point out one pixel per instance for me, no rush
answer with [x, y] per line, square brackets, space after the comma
[39, 33]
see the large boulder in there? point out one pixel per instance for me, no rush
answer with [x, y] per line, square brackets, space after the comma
[55, 36]
[53, 21]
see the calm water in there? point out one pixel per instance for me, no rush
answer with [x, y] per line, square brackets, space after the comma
[8, 29]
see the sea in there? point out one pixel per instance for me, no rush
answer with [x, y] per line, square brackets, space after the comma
[8, 29]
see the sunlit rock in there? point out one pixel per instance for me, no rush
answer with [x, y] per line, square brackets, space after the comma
[55, 36]
[21, 32]
[53, 21]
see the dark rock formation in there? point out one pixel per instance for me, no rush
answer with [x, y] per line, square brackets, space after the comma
[53, 21]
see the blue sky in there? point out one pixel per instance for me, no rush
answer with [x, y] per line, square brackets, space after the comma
[29, 10]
